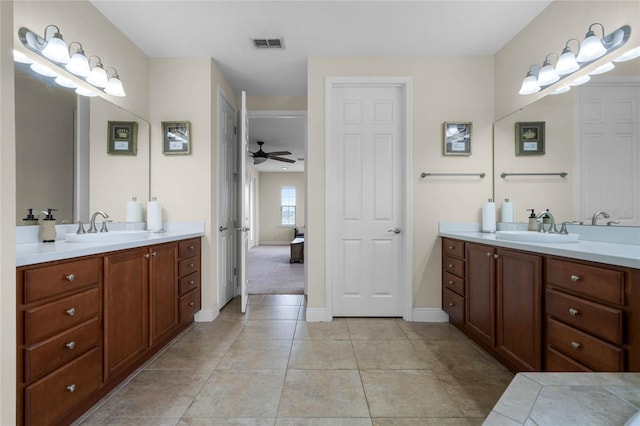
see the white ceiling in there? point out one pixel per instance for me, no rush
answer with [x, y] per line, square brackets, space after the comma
[223, 30]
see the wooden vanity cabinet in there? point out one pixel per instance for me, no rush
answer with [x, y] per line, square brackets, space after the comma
[453, 264]
[480, 292]
[59, 338]
[84, 325]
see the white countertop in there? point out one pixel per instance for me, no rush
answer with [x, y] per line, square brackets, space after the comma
[30, 253]
[596, 251]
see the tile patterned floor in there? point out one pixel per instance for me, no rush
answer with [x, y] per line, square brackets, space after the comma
[270, 367]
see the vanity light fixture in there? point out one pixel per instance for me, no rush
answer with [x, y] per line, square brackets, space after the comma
[78, 64]
[97, 76]
[591, 49]
[561, 89]
[54, 46]
[114, 85]
[71, 59]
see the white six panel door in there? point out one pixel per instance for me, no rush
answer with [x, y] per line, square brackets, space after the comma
[365, 164]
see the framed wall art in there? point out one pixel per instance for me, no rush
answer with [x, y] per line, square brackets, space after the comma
[123, 138]
[530, 138]
[176, 137]
[457, 138]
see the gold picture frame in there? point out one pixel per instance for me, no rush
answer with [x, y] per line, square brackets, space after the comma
[123, 138]
[176, 137]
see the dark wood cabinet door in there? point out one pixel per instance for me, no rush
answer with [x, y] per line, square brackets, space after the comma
[126, 315]
[163, 291]
[519, 309]
[480, 292]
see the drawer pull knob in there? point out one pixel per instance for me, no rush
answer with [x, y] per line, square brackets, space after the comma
[450, 282]
[191, 247]
[191, 265]
[488, 254]
[70, 277]
[71, 388]
[154, 253]
[449, 266]
[574, 311]
[191, 303]
[71, 312]
[451, 304]
[192, 282]
[576, 345]
[575, 278]
[495, 256]
[71, 345]
[146, 256]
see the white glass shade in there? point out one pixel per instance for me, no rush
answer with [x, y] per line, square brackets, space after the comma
[65, 82]
[43, 70]
[56, 49]
[529, 85]
[591, 48]
[79, 65]
[86, 92]
[259, 160]
[547, 75]
[603, 68]
[21, 57]
[114, 87]
[580, 80]
[98, 77]
[563, 89]
[628, 55]
[567, 62]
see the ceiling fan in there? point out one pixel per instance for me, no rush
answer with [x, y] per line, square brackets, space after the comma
[260, 156]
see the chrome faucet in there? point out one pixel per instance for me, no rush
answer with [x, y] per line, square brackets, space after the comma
[552, 229]
[596, 215]
[92, 226]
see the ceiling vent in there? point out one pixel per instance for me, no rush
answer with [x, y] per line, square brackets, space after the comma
[268, 43]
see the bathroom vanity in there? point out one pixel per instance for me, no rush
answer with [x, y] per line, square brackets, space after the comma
[545, 307]
[85, 322]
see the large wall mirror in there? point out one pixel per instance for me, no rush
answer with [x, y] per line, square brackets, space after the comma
[62, 158]
[592, 133]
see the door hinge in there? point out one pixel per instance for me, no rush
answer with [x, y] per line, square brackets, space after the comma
[235, 272]
[235, 130]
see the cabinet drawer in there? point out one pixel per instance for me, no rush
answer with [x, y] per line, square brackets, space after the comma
[188, 248]
[188, 283]
[454, 266]
[562, 363]
[453, 304]
[188, 266]
[600, 320]
[452, 282]
[40, 283]
[46, 320]
[188, 305]
[585, 349]
[43, 358]
[50, 399]
[453, 248]
[602, 283]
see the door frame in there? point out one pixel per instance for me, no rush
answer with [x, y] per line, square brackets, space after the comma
[405, 84]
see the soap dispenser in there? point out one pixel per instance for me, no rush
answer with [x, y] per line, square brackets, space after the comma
[47, 231]
[533, 220]
[30, 218]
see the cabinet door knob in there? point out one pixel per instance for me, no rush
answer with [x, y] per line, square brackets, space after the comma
[573, 311]
[450, 247]
[449, 266]
[71, 388]
[495, 256]
[488, 254]
[191, 303]
[153, 253]
[191, 247]
[451, 304]
[146, 256]
[71, 345]
[450, 282]
[70, 277]
[71, 311]
[575, 278]
[576, 345]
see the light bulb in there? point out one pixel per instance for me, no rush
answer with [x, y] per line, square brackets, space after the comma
[98, 77]
[628, 55]
[65, 82]
[86, 92]
[567, 62]
[43, 70]
[591, 48]
[78, 65]
[114, 87]
[580, 80]
[603, 68]
[529, 85]
[21, 57]
[56, 49]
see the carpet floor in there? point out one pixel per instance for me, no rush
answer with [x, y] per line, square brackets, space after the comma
[269, 271]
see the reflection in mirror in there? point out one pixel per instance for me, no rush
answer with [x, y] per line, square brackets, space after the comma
[61, 153]
[593, 134]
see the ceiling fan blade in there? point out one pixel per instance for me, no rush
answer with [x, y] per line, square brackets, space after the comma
[286, 160]
[276, 153]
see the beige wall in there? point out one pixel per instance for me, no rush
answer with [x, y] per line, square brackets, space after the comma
[276, 102]
[548, 32]
[7, 221]
[186, 89]
[443, 90]
[271, 232]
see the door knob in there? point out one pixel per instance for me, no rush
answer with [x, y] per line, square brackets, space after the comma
[222, 228]
[395, 230]
[243, 229]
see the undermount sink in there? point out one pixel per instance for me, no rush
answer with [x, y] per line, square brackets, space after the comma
[107, 237]
[536, 237]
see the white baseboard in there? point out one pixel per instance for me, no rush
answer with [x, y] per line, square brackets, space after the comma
[207, 314]
[317, 315]
[275, 243]
[429, 315]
